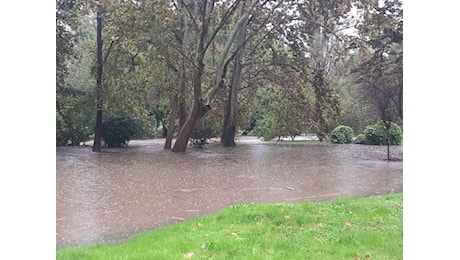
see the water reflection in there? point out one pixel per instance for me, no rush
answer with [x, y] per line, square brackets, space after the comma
[117, 193]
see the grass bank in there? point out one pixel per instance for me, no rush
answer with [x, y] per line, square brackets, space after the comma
[346, 228]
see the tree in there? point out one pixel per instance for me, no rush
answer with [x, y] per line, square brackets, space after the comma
[202, 103]
[284, 110]
[321, 37]
[381, 74]
[179, 104]
[231, 112]
[98, 135]
[183, 59]
[71, 100]
[132, 66]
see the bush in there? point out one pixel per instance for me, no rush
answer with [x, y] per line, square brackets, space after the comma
[342, 134]
[74, 131]
[118, 131]
[377, 134]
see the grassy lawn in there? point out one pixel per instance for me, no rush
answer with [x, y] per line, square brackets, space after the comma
[346, 228]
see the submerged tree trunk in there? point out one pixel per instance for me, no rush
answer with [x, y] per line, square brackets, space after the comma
[231, 113]
[98, 134]
[172, 118]
[388, 127]
[198, 111]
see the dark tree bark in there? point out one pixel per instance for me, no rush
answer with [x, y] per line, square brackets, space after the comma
[387, 128]
[231, 113]
[98, 134]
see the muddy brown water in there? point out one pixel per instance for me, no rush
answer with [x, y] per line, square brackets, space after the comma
[113, 195]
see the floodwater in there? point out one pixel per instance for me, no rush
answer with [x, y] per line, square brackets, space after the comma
[113, 195]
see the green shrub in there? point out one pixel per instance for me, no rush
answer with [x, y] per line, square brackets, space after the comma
[342, 134]
[377, 134]
[73, 127]
[265, 127]
[118, 131]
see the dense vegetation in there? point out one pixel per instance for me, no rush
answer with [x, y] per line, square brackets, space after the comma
[220, 68]
[118, 131]
[379, 134]
[342, 134]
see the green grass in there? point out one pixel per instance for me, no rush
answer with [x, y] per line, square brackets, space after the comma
[346, 228]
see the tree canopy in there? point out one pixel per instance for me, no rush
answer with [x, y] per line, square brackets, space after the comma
[280, 68]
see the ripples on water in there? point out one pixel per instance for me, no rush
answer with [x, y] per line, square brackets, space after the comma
[109, 196]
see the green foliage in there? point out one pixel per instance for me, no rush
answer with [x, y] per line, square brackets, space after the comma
[282, 111]
[74, 132]
[293, 86]
[203, 132]
[74, 117]
[267, 128]
[378, 135]
[342, 134]
[380, 71]
[118, 131]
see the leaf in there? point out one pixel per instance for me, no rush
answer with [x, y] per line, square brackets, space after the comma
[198, 225]
[189, 255]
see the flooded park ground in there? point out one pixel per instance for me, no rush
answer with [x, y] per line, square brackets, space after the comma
[113, 195]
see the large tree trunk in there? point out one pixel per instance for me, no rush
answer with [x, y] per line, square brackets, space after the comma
[97, 137]
[231, 113]
[198, 111]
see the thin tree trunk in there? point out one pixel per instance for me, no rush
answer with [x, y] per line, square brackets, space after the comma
[172, 118]
[182, 113]
[388, 151]
[98, 134]
[388, 128]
